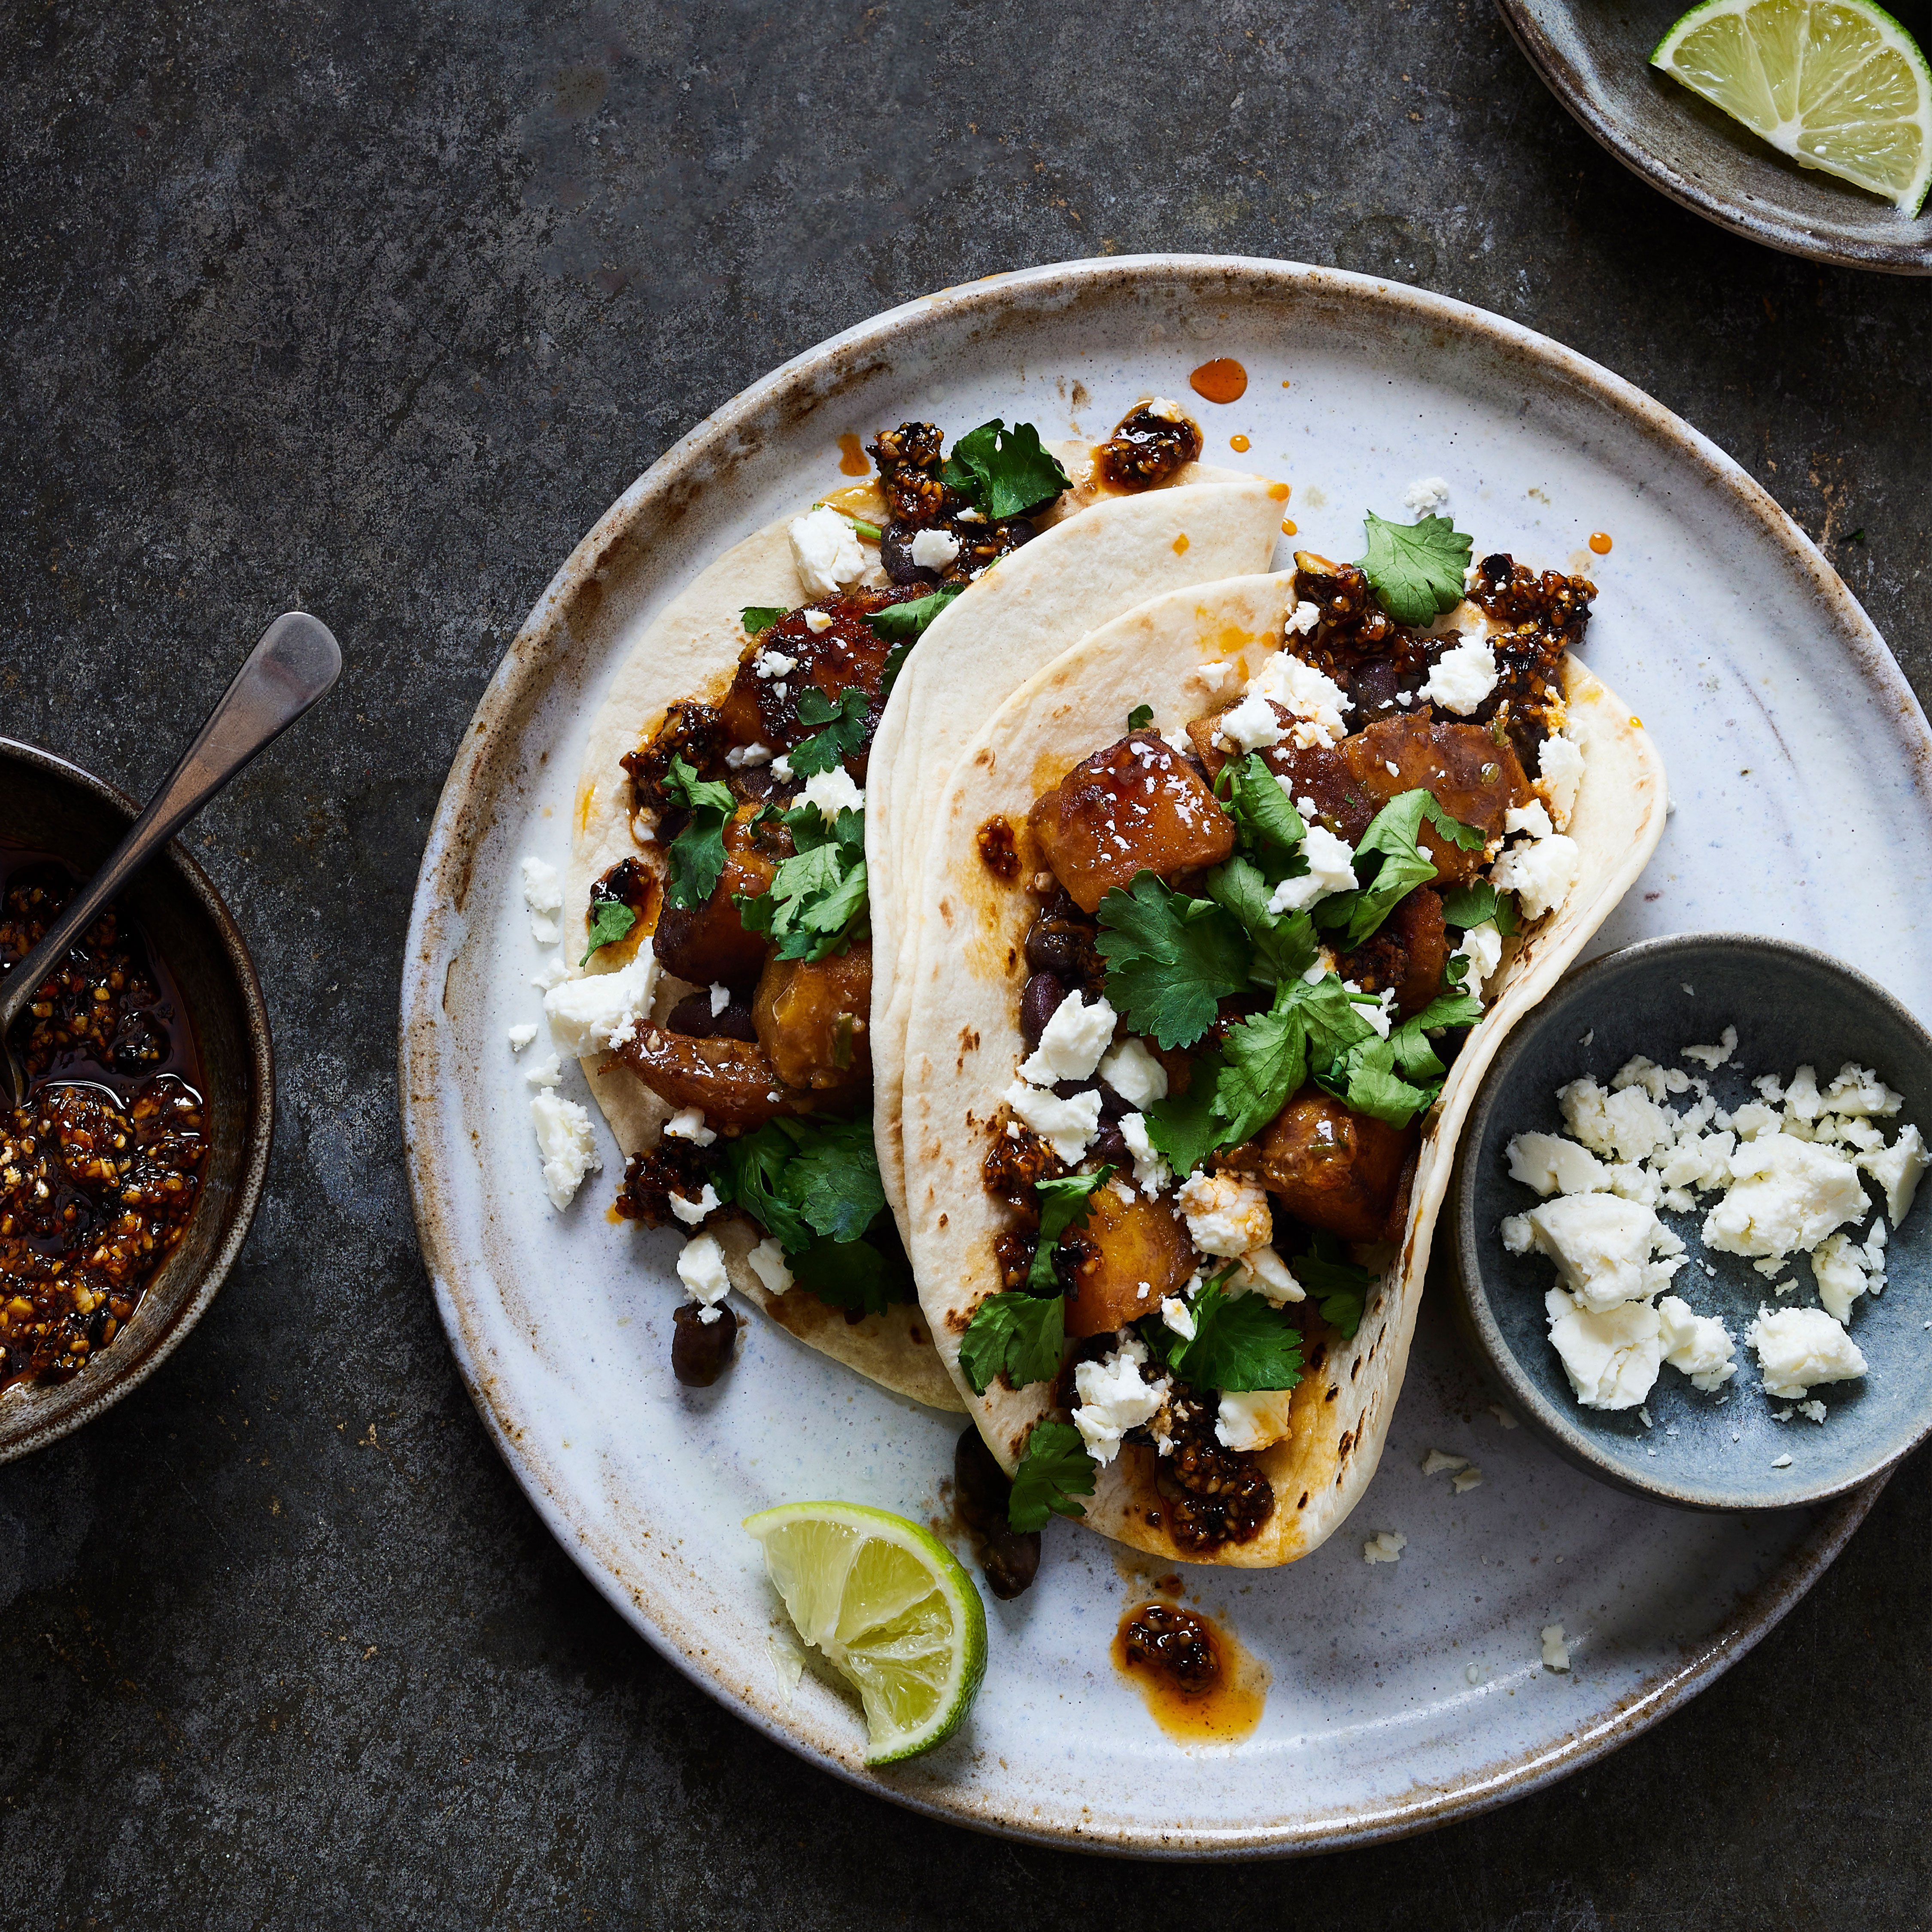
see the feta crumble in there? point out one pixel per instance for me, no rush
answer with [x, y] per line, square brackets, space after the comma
[1113, 1398]
[933, 550]
[1439, 1462]
[565, 1141]
[1698, 1345]
[1152, 1174]
[1331, 869]
[1461, 680]
[767, 1262]
[1253, 1419]
[543, 895]
[1252, 724]
[688, 1124]
[1787, 1194]
[1314, 698]
[700, 1267]
[521, 1037]
[825, 548]
[1065, 1126]
[1555, 1651]
[1133, 1072]
[690, 1212]
[1426, 497]
[833, 792]
[1797, 1349]
[1560, 768]
[1303, 618]
[1612, 1359]
[1072, 1042]
[603, 1010]
[1602, 1245]
[1226, 1214]
[1540, 874]
[1386, 1546]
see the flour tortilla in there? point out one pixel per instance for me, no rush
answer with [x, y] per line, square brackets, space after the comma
[691, 649]
[969, 970]
[1078, 575]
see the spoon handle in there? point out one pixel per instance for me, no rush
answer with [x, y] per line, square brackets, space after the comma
[294, 664]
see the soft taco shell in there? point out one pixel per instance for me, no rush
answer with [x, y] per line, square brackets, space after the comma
[969, 972]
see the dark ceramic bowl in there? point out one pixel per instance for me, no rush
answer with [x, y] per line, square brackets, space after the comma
[1790, 1005]
[47, 805]
[1595, 56]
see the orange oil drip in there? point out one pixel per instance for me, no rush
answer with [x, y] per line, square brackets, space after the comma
[1229, 1710]
[1280, 492]
[1223, 380]
[1180, 544]
[1599, 542]
[1238, 443]
[853, 460]
[1288, 526]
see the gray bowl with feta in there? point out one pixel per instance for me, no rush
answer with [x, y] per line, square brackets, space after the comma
[1687, 1228]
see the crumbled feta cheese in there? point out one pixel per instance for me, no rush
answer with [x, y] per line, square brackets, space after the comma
[543, 894]
[1426, 496]
[1799, 1348]
[1386, 1546]
[567, 1143]
[1786, 1194]
[1227, 1214]
[1461, 680]
[1253, 1419]
[1813, 1411]
[833, 792]
[700, 1267]
[1837, 1266]
[1252, 724]
[688, 1124]
[740, 756]
[692, 1212]
[1213, 676]
[770, 663]
[1113, 1398]
[818, 622]
[1657, 1082]
[1331, 869]
[604, 1009]
[1551, 1165]
[1560, 768]
[1555, 1651]
[781, 768]
[1263, 1272]
[1628, 1124]
[554, 974]
[1166, 409]
[1897, 1169]
[547, 1072]
[1303, 618]
[1611, 1358]
[1152, 1174]
[1310, 694]
[1132, 1071]
[767, 1262]
[1700, 1345]
[1072, 1042]
[1465, 1480]
[933, 550]
[1503, 1416]
[521, 1037]
[1439, 1462]
[1780, 1462]
[1065, 1126]
[1601, 1245]
[1857, 1091]
[1540, 874]
[825, 547]
[1713, 1057]
[1482, 946]
[1175, 1314]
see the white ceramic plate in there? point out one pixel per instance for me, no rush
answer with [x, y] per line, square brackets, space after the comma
[1401, 1695]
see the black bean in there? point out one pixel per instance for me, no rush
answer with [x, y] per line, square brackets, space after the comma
[1053, 949]
[1038, 1004]
[1011, 1561]
[895, 555]
[1110, 1146]
[980, 1486]
[1113, 1105]
[692, 1017]
[700, 1351]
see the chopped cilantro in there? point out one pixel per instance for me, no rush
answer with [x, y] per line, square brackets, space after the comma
[697, 856]
[1340, 1288]
[1003, 472]
[846, 722]
[1267, 826]
[1416, 569]
[1054, 1469]
[1023, 1334]
[1062, 1204]
[802, 1180]
[1365, 1080]
[1140, 717]
[757, 618]
[903, 625]
[817, 903]
[1395, 833]
[1409, 1041]
[1239, 1343]
[1478, 903]
[863, 1277]
[1285, 943]
[1184, 1126]
[1265, 1059]
[1171, 959]
[611, 920]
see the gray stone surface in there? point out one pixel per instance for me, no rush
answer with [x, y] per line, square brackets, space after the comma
[374, 308]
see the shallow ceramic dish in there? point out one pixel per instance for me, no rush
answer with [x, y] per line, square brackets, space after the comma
[1402, 1695]
[1595, 56]
[1789, 1005]
[47, 805]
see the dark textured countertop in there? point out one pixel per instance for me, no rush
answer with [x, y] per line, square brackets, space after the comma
[374, 308]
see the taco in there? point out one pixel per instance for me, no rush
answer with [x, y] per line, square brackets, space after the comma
[718, 987]
[1185, 1081]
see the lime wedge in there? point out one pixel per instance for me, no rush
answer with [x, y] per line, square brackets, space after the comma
[1837, 84]
[891, 1608]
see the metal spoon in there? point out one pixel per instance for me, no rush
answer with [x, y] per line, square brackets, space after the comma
[292, 666]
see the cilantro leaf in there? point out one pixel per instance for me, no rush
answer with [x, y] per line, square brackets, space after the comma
[1366, 1081]
[1265, 1059]
[1408, 1043]
[862, 1277]
[803, 1180]
[696, 859]
[1395, 833]
[1266, 824]
[760, 617]
[750, 1174]
[1004, 472]
[1171, 959]
[904, 624]
[1478, 903]
[1025, 1335]
[1241, 1343]
[1340, 1288]
[1054, 1469]
[611, 920]
[1285, 943]
[847, 724]
[1140, 717]
[1062, 1204]
[1185, 1126]
[1416, 569]
[816, 904]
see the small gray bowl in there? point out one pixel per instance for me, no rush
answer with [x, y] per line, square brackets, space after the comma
[47, 805]
[1790, 1005]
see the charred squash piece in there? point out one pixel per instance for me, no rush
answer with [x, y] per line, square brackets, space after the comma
[1137, 806]
[708, 944]
[1322, 773]
[811, 1019]
[1121, 1246]
[1475, 779]
[1334, 1169]
[1408, 953]
[732, 1080]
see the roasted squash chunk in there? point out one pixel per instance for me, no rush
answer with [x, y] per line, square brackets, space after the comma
[1138, 806]
[732, 1080]
[1475, 779]
[1334, 1169]
[1120, 1248]
[708, 944]
[812, 1017]
[1407, 953]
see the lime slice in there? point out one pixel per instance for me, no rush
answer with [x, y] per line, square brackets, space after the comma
[891, 1608]
[1837, 84]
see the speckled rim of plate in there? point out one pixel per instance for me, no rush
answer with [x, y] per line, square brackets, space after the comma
[651, 510]
[1840, 244]
[60, 1409]
[1562, 1430]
